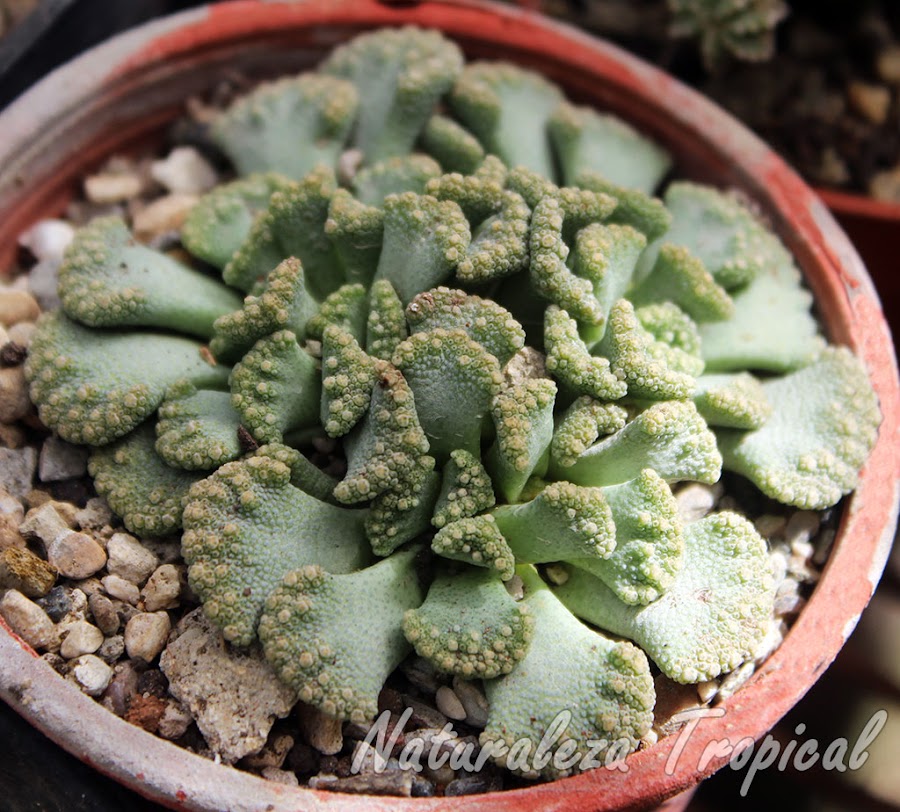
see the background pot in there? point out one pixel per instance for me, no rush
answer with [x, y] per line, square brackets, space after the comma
[126, 90]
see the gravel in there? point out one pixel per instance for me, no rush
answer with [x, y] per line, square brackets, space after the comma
[129, 559]
[29, 621]
[146, 634]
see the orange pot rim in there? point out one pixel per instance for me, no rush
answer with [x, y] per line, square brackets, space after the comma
[125, 87]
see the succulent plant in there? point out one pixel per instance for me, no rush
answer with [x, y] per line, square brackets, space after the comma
[512, 365]
[740, 28]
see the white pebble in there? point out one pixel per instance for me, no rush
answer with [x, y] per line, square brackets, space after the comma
[163, 588]
[92, 674]
[706, 691]
[184, 170]
[76, 555]
[48, 239]
[448, 703]
[121, 589]
[146, 634]
[111, 187]
[129, 559]
[28, 620]
[80, 638]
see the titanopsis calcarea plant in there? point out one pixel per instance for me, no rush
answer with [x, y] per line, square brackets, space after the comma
[462, 282]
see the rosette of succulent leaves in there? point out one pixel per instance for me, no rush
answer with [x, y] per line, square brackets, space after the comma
[463, 285]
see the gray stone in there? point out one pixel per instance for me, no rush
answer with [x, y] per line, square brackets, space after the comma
[146, 634]
[473, 701]
[80, 637]
[129, 559]
[61, 460]
[76, 555]
[91, 674]
[42, 283]
[449, 704]
[29, 621]
[233, 694]
[94, 515]
[17, 467]
[112, 649]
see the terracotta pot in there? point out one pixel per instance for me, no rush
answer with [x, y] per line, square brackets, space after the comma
[130, 87]
[874, 228]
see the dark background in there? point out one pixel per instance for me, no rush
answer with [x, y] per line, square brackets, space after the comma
[37, 776]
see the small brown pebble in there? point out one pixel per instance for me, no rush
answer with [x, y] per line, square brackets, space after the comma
[303, 758]
[14, 402]
[872, 102]
[888, 65]
[146, 711]
[11, 436]
[105, 615]
[23, 570]
[16, 306]
[122, 687]
[886, 185]
[153, 681]
[76, 555]
[319, 730]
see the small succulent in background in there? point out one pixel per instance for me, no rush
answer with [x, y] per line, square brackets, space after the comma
[743, 29]
[514, 365]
